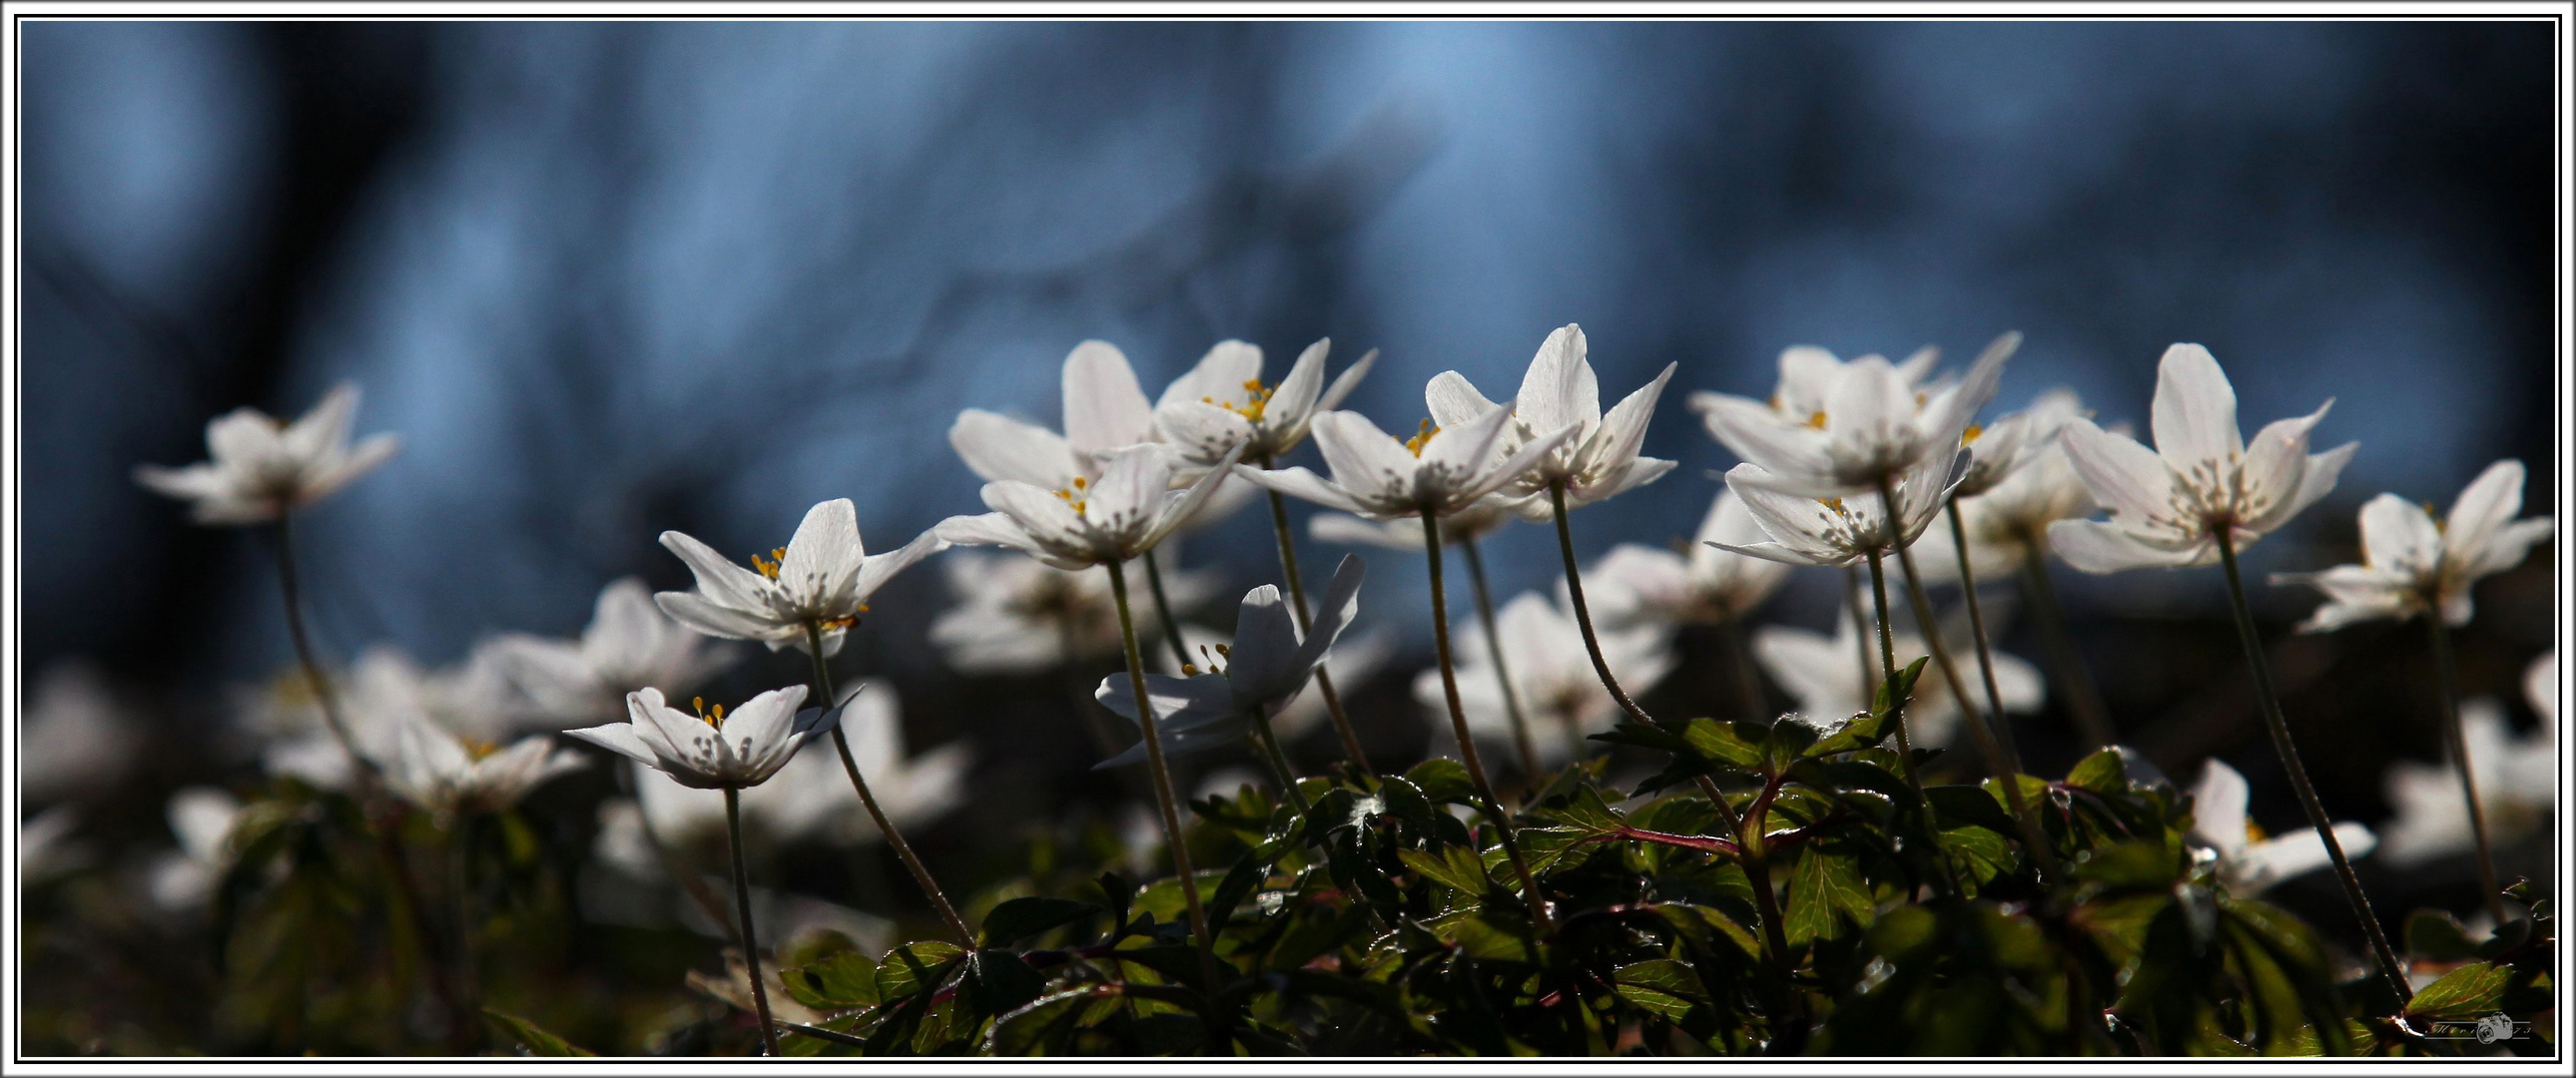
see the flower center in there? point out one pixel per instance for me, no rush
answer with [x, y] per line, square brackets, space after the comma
[1816, 421]
[1969, 436]
[1421, 438]
[478, 749]
[712, 718]
[1216, 660]
[1076, 495]
[1257, 399]
[2254, 831]
[769, 567]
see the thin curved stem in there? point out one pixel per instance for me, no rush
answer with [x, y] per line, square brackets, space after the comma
[2279, 727]
[1530, 893]
[2447, 671]
[2083, 698]
[1297, 604]
[1896, 712]
[1278, 761]
[1860, 630]
[1985, 648]
[867, 797]
[1582, 610]
[1163, 611]
[1163, 797]
[742, 905]
[1502, 669]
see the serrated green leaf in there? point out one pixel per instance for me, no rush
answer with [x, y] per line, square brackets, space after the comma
[1456, 866]
[1025, 1031]
[2101, 772]
[1443, 780]
[1021, 918]
[1726, 743]
[913, 967]
[1825, 894]
[531, 1038]
[2435, 935]
[836, 982]
[2467, 992]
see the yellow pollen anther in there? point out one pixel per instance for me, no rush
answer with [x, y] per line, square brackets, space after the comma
[1970, 436]
[1835, 504]
[1189, 669]
[1422, 438]
[1079, 482]
[477, 749]
[1817, 420]
[2254, 832]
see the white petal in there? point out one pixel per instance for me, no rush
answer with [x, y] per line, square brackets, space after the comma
[693, 610]
[1365, 462]
[1219, 374]
[1047, 519]
[2274, 463]
[998, 447]
[1453, 400]
[1345, 382]
[326, 427]
[2095, 547]
[2485, 505]
[879, 568]
[2218, 808]
[1347, 530]
[1262, 663]
[1758, 436]
[985, 529]
[1303, 484]
[1559, 388]
[2126, 478]
[2194, 415]
[2316, 480]
[824, 555]
[620, 738]
[720, 581]
[1292, 401]
[1104, 408]
[2397, 536]
[1203, 432]
[1623, 432]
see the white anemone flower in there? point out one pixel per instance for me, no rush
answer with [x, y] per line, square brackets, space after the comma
[1551, 674]
[2011, 518]
[1869, 424]
[2412, 562]
[1838, 531]
[448, 776]
[1221, 403]
[384, 692]
[1105, 411]
[1599, 460]
[1266, 667]
[2168, 504]
[711, 751]
[1824, 674]
[2000, 449]
[1353, 660]
[260, 470]
[2517, 780]
[46, 846]
[2540, 686]
[1441, 470]
[810, 798]
[77, 738]
[1808, 375]
[1017, 615]
[2248, 862]
[1642, 586]
[1112, 521]
[201, 818]
[630, 644]
[822, 577]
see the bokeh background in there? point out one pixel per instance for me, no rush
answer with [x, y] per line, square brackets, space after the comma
[607, 279]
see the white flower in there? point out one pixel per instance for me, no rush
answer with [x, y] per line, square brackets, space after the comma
[383, 693]
[260, 470]
[1122, 516]
[1551, 672]
[201, 818]
[1442, 469]
[1808, 375]
[1352, 660]
[823, 576]
[811, 797]
[445, 775]
[76, 737]
[2540, 686]
[1479, 519]
[1221, 404]
[1105, 411]
[2249, 863]
[630, 644]
[2001, 449]
[1839, 530]
[1017, 615]
[2517, 787]
[1868, 423]
[1824, 674]
[45, 845]
[2411, 562]
[713, 751]
[1598, 460]
[1637, 585]
[2013, 515]
[1268, 665]
[2168, 503]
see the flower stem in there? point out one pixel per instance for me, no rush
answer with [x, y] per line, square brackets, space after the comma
[1583, 610]
[1896, 712]
[894, 838]
[1467, 742]
[1172, 835]
[1999, 757]
[1985, 647]
[468, 981]
[2083, 699]
[2279, 727]
[1277, 759]
[2446, 669]
[374, 808]
[1502, 670]
[742, 907]
[1739, 661]
[1297, 605]
[1860, 630]
[1163, 611]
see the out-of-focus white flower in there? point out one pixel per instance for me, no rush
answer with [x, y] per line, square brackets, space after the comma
[1442, 469]
[1838, 531]
[1105, 410]
[77, 738]
[1824, 674]
[1267, 665]
[1638, 586]
[1120, 517]
[630, 644]
[1221, 403]
[1551, 672]
[1353, 660]
[260, 470]
[2517, 787]
[823, 576]
[383, 692]
[1868, 422]
[45, 845]
[201, 818]
[2012, 516]
[2248, 862]
[2540, 686]
[1599, 460]
[1808, 376]
[2168, 504]
[2411, 562]
[1017, 615]
[811, 798]
[446, 775]
[2003, 447]
[710, 750]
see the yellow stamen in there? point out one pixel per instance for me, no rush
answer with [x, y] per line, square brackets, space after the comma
[1817, 420]
[1189, 669]
[2253, 831]
[1080, 483]
[1970, 437]
[769, 568]
[1835, 504]
[477, 749]
[1422, 438]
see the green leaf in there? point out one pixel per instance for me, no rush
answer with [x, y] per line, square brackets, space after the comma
[1025, 1031]
[836, 982]
[914, 967]
[1489, 935]
[1825, 893]
[999, 982]
[1443, 779]
[1862, 731]
[1239, 882]
[2467, 992]
[1897, 688]
[2437, 936]
[1737, 743]
[1021, 918]
[2101, 772]
[1456, 866]
[1904, 930]
[531, 1039]
[1970, 805]
[1661, 985]
[1984, 853]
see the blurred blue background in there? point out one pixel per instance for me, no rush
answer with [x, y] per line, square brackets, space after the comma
[606, 279]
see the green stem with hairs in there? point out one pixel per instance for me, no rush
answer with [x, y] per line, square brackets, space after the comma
[2083, 699]
[2279, 727]
[850, 765]
[742, 906]
[1163, 797]
[1985, 648]
[1163, 611]
[1896, 713]
[1503, 670]
[1297, 604]
[2446, 669]
[1537, 901]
